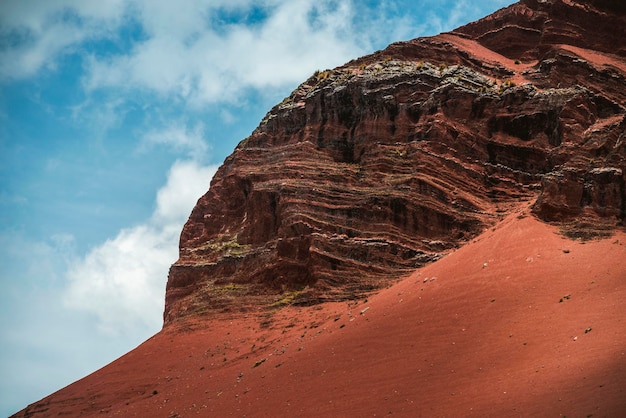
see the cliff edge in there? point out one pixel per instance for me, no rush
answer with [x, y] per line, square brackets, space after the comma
[375, 168]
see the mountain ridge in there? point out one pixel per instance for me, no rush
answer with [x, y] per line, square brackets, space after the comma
[390, 161]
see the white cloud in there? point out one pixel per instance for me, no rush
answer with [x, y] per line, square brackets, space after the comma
[180, 138]
[212, 51]
[36, 33]
[186, 182]
[190, 50]
[188, 59]
[187, 53]
[122, 281]
[43, 345]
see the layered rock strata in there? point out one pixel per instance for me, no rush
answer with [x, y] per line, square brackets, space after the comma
[372, 169]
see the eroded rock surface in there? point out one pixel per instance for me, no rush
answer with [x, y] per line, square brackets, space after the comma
[372, 169]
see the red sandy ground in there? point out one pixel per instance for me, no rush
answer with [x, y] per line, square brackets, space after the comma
[519, 322]
[597, 59]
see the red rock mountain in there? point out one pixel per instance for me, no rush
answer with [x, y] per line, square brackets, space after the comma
[370, 170]
[423, 160]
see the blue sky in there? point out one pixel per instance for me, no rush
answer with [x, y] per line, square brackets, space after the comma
[113, 118]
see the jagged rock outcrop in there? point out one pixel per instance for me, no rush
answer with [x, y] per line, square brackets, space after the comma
[372, 169]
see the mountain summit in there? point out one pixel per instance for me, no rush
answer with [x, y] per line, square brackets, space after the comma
[419, 232]
[370, 170]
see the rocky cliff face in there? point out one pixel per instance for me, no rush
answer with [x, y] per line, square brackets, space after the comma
[372, 169]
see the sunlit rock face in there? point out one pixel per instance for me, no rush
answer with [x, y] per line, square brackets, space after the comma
[370, 170]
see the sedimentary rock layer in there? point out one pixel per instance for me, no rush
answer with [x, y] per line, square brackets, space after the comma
[372, 169]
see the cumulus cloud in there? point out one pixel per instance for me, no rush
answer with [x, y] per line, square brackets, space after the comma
[201, 58]
[212, 51]
[36, 33]
[122, 281]
[178, 136]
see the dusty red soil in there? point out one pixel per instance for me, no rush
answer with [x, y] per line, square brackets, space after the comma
[519, 322]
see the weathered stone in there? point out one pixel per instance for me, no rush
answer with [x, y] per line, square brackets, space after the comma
[372, 169]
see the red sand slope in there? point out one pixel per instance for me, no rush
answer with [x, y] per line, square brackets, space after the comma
[519, 322]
